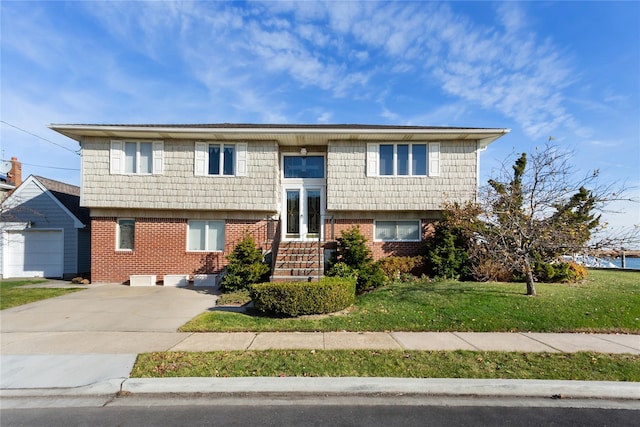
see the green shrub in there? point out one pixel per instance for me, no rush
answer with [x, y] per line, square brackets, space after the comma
[328, 295]
[340, 269]
[559, 272]
[352, 248]
[370, 277]
[246, 266]
[356, 257]
[446, 254]
[395, 267]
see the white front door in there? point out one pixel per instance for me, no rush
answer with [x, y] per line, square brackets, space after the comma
[303, 212]
[304, 189]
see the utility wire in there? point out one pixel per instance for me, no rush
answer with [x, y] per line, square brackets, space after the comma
[77, 152]
[48, 167]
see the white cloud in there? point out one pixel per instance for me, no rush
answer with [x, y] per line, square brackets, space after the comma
[255, 49]
[325, 117]
[389, 115]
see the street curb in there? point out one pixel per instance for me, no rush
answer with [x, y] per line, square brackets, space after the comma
[347, 386]
[375, 386]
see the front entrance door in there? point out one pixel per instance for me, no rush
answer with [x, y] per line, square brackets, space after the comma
[303, 213]
[304, 189]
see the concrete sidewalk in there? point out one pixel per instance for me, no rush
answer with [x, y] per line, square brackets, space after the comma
[429, 341]
[71, 364]
[110, 342]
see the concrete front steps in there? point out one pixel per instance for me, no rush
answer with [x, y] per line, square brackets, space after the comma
[298, 262]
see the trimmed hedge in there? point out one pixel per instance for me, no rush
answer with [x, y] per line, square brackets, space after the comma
[293, 299]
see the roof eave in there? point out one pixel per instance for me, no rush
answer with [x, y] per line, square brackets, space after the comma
[77, 132]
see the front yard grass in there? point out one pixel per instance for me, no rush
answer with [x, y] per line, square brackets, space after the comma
[12, 294]
[607, 302]
[390, 363]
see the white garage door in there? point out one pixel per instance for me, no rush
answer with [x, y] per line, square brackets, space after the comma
[34, 253]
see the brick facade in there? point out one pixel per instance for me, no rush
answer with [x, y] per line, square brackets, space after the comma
[379, 249]
[160, 248]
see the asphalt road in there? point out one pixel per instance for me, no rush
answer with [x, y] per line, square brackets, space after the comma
[397, 411]
[388, 416]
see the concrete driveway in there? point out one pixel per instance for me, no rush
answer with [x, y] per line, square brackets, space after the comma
[111, 308]
[104, 319]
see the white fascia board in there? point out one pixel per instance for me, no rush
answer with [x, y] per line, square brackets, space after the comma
[76, 131]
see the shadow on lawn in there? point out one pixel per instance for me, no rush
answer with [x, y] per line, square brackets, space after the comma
[407, 292]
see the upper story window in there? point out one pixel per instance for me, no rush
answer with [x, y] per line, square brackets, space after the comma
[220, 159]
[403, 159]
[136, 157]
[303, 166]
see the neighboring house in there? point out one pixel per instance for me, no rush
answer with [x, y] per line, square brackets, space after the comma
[175, 199]
[10, 176]
[5, 187]
[45, 232]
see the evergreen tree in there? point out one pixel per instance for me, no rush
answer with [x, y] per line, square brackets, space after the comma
[246, 266]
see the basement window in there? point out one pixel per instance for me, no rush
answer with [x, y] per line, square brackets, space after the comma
[397, 231]
[206, 236]
[125, 233]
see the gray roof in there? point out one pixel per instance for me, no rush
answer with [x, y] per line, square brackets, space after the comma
[68, 195]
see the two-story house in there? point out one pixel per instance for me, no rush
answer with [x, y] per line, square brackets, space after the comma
[175, 199]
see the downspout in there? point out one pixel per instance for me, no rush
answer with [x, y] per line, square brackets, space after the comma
[82, 174]
[479, 148]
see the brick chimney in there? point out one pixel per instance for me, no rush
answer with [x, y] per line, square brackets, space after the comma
[14, 177]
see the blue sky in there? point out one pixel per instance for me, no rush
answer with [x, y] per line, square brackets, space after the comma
[570, 70]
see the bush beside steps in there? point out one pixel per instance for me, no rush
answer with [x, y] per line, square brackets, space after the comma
[293, 299]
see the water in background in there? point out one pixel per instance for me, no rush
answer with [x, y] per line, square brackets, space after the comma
[631, 263]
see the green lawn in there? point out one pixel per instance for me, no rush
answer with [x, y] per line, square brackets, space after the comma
[390, 363]
[608, 301]
[12, 294]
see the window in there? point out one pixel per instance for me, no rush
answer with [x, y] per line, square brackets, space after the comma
[403, 159]
[205, 236]
[136, 157]
[220, 159]
[303, 166]
[124, 234]
[401, 231]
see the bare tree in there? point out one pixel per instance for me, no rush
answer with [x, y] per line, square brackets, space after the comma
[538, 211]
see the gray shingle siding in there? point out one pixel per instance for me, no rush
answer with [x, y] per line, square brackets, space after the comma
[349, 189]
[178, 187]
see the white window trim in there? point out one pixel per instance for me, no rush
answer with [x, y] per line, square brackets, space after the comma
[118, 248]
[375, 226]
[201, 158]
[117, 157]
[206, 233]
[432, 160]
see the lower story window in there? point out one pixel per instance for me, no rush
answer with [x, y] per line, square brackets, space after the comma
[125, 234]
[397, 231]
[205, 236]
